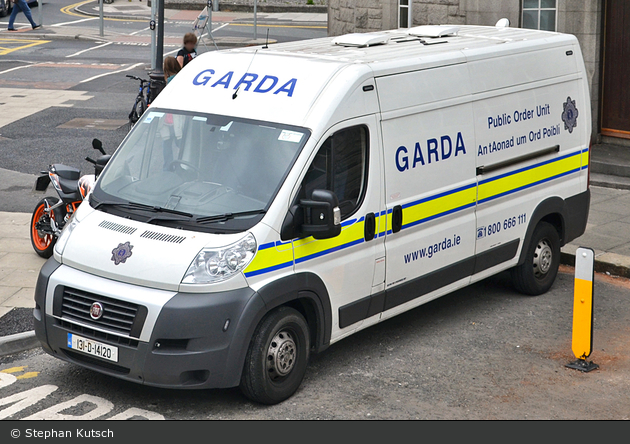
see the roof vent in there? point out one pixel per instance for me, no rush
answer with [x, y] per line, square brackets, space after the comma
[433, 31]
[503, 23]
[359, 40]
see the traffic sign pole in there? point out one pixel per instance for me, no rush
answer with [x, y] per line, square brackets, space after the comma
[582, 344]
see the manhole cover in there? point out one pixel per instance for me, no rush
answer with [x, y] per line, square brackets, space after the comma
[99, 124]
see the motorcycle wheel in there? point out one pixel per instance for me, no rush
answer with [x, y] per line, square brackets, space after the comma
[43, 243]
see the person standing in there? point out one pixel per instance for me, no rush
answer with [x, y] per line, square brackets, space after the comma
[21, 5]
[171, 67]
[188, 52]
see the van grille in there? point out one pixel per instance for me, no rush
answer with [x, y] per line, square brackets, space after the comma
[118, 316]
[117, 227]
[163, 237]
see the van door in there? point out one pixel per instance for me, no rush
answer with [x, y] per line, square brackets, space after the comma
[348, 163]
[430, 185]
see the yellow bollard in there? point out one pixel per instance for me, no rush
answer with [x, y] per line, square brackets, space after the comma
[582, 344]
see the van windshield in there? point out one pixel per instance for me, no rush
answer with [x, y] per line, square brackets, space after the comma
[198, 171]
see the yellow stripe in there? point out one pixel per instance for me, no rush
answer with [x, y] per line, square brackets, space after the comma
[528, 177]
[582, 318]
[309, 246]
[271, 257]
[29, 43]
[304, 248]
[437, 206]
[69, 10]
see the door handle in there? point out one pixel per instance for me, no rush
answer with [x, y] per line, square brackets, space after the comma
[397, 219]
[369, 227]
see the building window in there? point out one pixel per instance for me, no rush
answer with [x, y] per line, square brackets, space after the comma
[404, 13]
[539, 14]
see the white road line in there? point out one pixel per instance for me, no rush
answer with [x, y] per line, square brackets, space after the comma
[89, 49]
[110, 73]
[135, 32]
[24, 66]
[76, 21]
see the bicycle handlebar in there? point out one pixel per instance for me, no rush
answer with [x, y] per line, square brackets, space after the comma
[138, 78]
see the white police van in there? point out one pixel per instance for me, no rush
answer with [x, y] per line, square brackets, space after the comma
[274, 200]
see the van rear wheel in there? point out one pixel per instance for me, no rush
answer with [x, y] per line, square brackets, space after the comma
[537, 274]
[277, 357]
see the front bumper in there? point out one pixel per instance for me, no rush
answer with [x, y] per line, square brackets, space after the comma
[191, 341]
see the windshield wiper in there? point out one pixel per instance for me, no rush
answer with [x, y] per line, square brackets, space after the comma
[227, 216]
[138, 206]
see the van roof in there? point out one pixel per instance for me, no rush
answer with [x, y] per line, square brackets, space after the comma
[283, 82]
[421, 44]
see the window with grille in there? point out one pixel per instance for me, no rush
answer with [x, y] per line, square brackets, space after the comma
[540, 14]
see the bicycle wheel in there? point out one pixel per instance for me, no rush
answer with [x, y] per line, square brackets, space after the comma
[136, 112]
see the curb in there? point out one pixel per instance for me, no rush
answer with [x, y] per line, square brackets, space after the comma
[235, 7]
[609, 263]
[17, 343]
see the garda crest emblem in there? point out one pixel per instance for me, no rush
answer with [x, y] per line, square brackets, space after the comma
[121, 253]
[569, 114]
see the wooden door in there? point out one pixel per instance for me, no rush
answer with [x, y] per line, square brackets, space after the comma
[616, 80]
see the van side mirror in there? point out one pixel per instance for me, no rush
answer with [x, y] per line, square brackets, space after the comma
[100, 164]
[318, 216]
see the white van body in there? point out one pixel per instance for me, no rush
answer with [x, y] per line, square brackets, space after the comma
[453, 153]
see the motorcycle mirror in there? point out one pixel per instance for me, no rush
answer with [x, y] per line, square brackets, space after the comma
[98, 145]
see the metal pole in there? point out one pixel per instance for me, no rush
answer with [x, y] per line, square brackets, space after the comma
[255, 5]
[153, 36]
[215, 5]
[157, 76]
[100, 18]
[41, 12]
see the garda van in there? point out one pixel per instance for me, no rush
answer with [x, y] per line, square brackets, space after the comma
[275, 200]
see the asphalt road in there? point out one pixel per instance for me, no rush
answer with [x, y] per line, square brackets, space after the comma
[482, 353]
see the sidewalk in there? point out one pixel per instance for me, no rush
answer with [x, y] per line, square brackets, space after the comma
[608, 233]
[139, 11]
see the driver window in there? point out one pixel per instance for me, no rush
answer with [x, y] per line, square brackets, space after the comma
[340, 166]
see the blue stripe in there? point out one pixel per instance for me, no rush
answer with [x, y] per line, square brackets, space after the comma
[267, 245]
[268, 269]
[330, 250]
[531, 167]
[524, 187]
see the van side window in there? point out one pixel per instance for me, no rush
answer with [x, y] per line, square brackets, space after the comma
[340, 166]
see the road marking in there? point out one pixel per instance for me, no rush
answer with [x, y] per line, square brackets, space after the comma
[278, 26]
[69, 10]
[110, 73]
[6, 379]
[23, 400]
[28, 375]
[89, 49]
[103, 407]
[13, 370]
[23, 44]
[135, 412]
[76, 21]
[140, 30]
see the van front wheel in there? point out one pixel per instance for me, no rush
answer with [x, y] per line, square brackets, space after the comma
[277, 357]
[537, 274]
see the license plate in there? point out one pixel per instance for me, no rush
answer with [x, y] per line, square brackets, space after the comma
[92, 347]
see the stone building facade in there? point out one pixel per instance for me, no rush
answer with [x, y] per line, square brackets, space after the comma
[598, 25]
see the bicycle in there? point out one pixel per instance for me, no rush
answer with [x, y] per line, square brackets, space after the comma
[142, 100]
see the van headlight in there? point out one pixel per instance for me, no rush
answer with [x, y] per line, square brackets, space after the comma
[60, 245]
[218, 264]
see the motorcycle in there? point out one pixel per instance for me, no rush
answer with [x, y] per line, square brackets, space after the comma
[51, 214]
